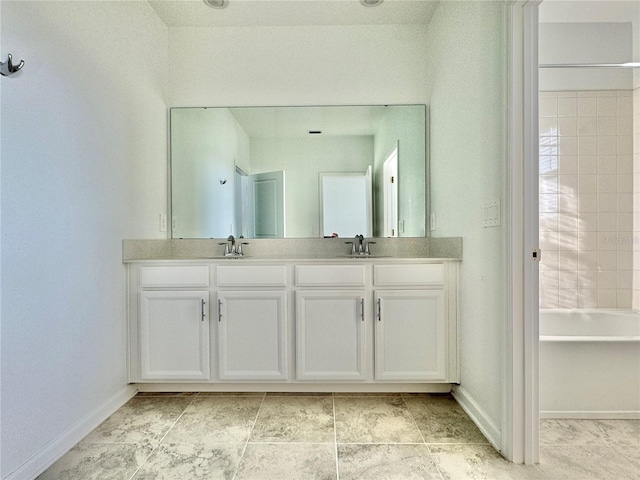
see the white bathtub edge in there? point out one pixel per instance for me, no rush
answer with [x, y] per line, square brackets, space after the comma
[488, 428]
[594, 415]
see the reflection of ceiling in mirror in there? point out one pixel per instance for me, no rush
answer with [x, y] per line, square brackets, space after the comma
[260, 122]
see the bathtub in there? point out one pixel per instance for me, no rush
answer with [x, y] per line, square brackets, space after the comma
[589, 363]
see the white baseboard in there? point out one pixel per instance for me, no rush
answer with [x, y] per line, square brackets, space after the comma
[67, 440]
[604, 415]
[488, 428]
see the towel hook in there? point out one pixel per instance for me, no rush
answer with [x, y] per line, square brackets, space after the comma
[8, 68]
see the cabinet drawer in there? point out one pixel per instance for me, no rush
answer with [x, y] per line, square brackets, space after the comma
[252, 276]
[330, 275]
[429, 274]
[174, 276]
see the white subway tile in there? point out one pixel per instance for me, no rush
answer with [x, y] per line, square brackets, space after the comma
[624, 202]
[624, 164]
[624, 145]
[607, 164]
[625, 183]
[607, 260]
[568, 260]
[588, 298]
[587, 164]
[548, 126]
[567, 126]
[588, 146]
[587, 107]
[567, 145]
[624, 107]
[586, 93]
[567, 241]
[568, 203]
[624, 298]
[607, 125]
[548, 107]
[549, 259]
[587, 125]
[588, 184]
[625, 222]
[587, 202]
[607, 222]
[548, 184]
[607, 298]
[606, 93]
[624, 259]
[586, 240]
[567, 222]
[588, 222]
[567, 94]
[548, 222]
[606, 106]
[567, 184]
[607, 240]
[567, 107]
[548, 298]
[607, 145]
[567, 298]
[607, 183]
[624, 126]
[625, 279]
[567, 164]
[588, 279]
[549, 241]
[548, 202]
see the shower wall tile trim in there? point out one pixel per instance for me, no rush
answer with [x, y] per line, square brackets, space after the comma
[587, 199]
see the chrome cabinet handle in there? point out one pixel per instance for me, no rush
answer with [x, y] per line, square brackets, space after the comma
[219, 310]
[379, 315]
[362, 309]
[202, 304]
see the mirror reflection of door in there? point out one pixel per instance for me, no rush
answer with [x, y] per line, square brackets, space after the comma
[266, 205]
[240, 203]
[390, 193]
[346, 204]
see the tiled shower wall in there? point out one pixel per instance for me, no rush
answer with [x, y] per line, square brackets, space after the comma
[586, 199]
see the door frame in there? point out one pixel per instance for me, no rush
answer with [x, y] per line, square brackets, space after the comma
[520, 436]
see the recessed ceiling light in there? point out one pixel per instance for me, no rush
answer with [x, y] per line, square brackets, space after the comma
[371, 3]
[217, 3]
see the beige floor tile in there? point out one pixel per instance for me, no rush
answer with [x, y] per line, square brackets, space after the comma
[587, 463]
[442, 420]
[143, 420]
[459, 462]
[216, 419]
[98, 461]
[263, 461]
[374, 420]
[386, 462]
[295, 419]
[188, 462]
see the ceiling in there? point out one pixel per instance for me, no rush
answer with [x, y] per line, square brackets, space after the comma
[254, 13]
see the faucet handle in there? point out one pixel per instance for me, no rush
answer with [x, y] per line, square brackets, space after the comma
[226, 247]
[353, 247]
[239, 251]
[367, 250]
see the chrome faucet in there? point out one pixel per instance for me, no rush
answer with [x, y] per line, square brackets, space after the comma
[231, 249]
[359, 246]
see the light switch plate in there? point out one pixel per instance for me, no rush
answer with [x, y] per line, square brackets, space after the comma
[492, 213]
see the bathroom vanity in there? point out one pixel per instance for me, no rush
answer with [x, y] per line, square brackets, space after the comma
[257, 324]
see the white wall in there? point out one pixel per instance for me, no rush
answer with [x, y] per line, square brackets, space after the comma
[83, 166]
[324, 65]
[206, 146]
[468, 168]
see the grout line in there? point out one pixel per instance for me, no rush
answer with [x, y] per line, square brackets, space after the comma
[255, 420]
[165, 434]
[335, 435]
[431, 456]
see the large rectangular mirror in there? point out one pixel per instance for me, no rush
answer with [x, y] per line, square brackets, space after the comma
[258, 172]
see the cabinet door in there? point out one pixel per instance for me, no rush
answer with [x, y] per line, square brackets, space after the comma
[410, 335]
[174, 335]
[252, 335]
[330, 338]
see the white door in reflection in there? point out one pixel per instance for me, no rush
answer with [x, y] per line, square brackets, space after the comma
[390, 193]
[346, 204]
[266, 205]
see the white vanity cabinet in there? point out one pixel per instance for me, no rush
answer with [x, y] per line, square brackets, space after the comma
[252, 322]
[352, 324]
[173, 324]
[411, 336]
[331, 322]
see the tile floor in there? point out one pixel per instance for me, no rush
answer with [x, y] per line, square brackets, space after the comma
[331, 436]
